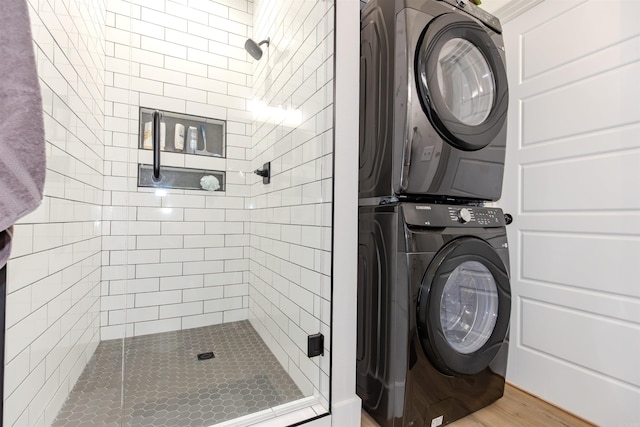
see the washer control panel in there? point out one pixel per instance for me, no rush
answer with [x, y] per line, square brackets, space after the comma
[485, 217]
[431, 215]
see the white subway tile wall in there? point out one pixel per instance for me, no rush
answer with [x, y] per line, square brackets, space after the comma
[291, 218]
[102, 259]
[187, 250]
[53, 283]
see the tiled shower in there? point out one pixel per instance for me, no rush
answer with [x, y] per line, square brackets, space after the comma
[102, 259]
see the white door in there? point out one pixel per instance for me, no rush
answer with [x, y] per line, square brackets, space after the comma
[572, 182]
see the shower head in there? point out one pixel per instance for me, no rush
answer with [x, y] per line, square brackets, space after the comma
[254, 48]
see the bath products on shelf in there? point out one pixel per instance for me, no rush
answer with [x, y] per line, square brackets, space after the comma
[192, 140]
[179, 138]
[163, 135]
[182, 133]
[147, 143]
[204, 138]
[209, 183]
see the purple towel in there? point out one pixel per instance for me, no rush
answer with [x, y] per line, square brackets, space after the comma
[22, 148]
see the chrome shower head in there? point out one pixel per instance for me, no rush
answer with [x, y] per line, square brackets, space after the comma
[254, 48]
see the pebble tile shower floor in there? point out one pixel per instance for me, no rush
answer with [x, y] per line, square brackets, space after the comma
[166, 385]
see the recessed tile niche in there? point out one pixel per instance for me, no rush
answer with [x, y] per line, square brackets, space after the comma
[181, 178]
[187, 134]
[177, 129]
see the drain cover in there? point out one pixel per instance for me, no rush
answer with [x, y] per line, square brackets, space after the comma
[206, 356]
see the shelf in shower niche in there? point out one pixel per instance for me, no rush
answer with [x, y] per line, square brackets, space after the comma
[210, 133]
[182, 178]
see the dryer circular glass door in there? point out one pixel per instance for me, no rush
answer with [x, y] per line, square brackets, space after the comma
[465, 81]
[463, 307]
[461, 81]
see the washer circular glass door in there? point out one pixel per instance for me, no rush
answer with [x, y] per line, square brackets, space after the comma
[461, 81]
[469, 307]
[464, 305]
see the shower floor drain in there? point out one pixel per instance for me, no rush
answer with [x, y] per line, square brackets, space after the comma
[206, 356]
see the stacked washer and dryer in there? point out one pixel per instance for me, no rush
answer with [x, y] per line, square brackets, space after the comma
[433, 281]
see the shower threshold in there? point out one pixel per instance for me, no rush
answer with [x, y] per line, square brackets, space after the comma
[167, 384]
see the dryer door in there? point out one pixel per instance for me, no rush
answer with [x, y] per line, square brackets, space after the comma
[463, 307]
[461, 81]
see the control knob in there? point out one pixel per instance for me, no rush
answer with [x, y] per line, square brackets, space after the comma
[464, 215]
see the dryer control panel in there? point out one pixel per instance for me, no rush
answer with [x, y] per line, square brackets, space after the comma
[430, 215]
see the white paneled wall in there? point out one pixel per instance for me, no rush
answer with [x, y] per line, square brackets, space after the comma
[572, 174]
[291, 218]
[53, 283]
[180, 260]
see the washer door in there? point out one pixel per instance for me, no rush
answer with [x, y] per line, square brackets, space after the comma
[463, 307]
[462, 82]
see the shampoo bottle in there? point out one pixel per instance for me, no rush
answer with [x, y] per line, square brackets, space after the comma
[178, 140]
[147, 138]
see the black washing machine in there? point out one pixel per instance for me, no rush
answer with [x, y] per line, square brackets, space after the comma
[433, 311]
[434, 98]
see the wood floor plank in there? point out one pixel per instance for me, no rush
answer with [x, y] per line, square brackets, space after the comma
[516, 408]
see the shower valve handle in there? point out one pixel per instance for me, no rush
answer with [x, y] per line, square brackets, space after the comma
[265, 173]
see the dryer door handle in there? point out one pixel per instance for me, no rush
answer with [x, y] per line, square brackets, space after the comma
[406, 161]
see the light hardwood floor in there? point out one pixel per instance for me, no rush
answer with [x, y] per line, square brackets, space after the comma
[516, 408]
